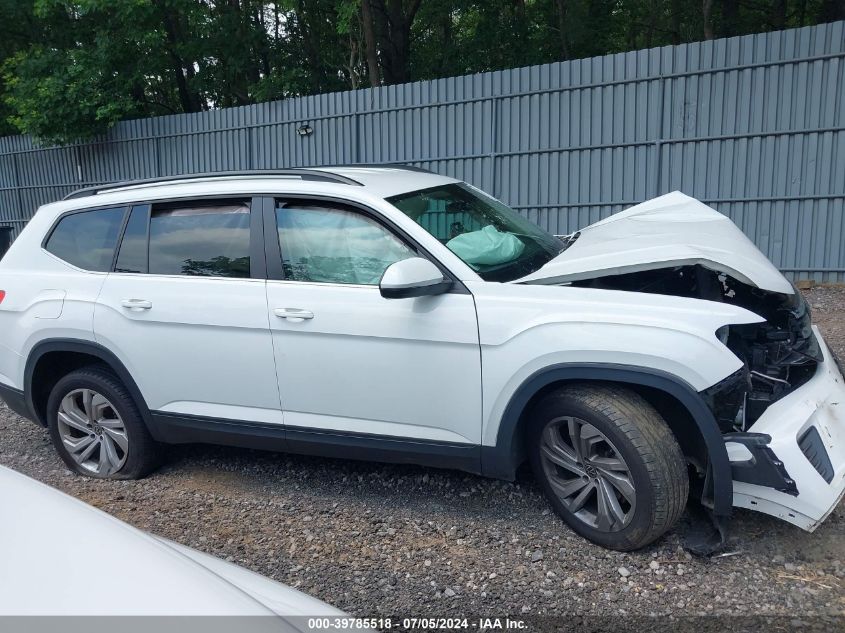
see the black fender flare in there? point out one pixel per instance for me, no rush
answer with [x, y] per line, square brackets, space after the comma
[82, 347]
[500, 461]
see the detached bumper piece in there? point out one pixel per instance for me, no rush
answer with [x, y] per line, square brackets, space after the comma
[791, 462]
[762, 467]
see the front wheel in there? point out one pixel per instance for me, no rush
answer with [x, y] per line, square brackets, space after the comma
[608, 464]
[96, 427]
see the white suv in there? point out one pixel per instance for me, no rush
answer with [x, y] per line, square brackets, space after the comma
[394, 314]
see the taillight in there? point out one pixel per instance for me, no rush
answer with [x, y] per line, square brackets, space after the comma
[2, 295]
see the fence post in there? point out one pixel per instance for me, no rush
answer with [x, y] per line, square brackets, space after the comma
[356, 123]
[494, 144]
[158, 157]
[658, 143]
[19, 191]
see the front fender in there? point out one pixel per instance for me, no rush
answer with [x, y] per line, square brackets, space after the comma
[534, 335]
[502, 459]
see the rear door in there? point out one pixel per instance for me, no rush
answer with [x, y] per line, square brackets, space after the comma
[186, 311]
[351, 363]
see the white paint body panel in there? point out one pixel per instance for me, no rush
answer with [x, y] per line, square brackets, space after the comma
[52, 546]
[397, 367]
[672, 230]
[203, 348]
[525, 328]
[820, 403]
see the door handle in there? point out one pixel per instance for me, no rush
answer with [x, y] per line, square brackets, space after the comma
[136, 304]
[293, 314]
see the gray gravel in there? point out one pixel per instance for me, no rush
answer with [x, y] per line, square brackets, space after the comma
[398, 540]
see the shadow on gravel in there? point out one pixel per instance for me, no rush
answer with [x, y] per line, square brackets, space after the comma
[397, 486]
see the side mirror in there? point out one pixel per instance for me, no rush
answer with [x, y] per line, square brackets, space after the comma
[413, 277]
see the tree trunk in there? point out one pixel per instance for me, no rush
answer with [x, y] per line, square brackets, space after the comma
[675, 20]
[777, 15]
[707, 15]
[563, 40]
[802, 12]
[831, 10]
[730, 13]
[189, 101]
[311, 46]
[371, 45]
[447, 43]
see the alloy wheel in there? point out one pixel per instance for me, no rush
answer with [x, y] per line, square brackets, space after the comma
[588, 474]
[93, 432]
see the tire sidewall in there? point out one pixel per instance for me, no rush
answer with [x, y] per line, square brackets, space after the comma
[125, 408]
[628, 537]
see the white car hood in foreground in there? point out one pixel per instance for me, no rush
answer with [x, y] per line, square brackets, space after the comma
[672, 230]
[59, 556]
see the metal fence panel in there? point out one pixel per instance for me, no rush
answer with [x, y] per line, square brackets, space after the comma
[753, 125]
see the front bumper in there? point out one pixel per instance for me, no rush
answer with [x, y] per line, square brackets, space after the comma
[819, 404]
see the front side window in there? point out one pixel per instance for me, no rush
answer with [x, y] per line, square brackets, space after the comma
[87, 239]
[200, 239]
[328, 244]
[491, 238]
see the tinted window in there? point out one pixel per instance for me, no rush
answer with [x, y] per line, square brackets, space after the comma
[88, 239]
[335, 245]
[132, 257]
[211, 240]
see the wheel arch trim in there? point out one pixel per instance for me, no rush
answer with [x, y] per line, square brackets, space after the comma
[501, 460]
[90, 348]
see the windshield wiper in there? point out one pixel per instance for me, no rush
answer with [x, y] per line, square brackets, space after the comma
[568, 240]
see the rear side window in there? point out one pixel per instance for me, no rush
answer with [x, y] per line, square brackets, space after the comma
[87, 239]
[132, 257]
[201, 239]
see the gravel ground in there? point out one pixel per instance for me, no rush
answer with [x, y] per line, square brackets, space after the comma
[398, 540]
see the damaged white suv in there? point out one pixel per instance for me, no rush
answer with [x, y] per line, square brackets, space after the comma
[394, 314]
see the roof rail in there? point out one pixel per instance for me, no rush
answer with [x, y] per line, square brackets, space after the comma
[421, 170]
[404, 166]
[304, 174]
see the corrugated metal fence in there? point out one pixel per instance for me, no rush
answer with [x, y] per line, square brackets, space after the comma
[754, 126]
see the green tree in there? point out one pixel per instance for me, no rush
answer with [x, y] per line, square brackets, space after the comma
[71, 69]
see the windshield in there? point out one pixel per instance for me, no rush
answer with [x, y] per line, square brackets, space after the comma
[494, 240]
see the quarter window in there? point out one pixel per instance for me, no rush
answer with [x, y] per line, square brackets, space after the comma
[132, 256]
[207, 240]
[328, 244]
[87, 239]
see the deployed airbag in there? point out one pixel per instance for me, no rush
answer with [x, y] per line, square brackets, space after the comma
[486, 247]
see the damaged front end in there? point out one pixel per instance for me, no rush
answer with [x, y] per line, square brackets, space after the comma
[778, 355]
[782, 414]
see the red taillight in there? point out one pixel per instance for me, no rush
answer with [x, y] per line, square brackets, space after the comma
[2, 295]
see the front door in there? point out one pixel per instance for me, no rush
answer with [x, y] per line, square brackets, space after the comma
[351, 362]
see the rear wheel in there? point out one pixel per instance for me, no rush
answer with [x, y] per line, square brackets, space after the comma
[96, 427]
[609, 464]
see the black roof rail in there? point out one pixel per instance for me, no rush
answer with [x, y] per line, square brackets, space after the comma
[304, 174]
[421, 170]
[404, 166]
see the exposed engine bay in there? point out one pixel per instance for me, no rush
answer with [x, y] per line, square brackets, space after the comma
[779, 355]
[780, 413]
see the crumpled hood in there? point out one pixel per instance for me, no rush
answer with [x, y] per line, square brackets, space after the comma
[672, 230]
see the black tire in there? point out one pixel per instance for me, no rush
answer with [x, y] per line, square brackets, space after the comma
[632, 430]
[141, 455]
